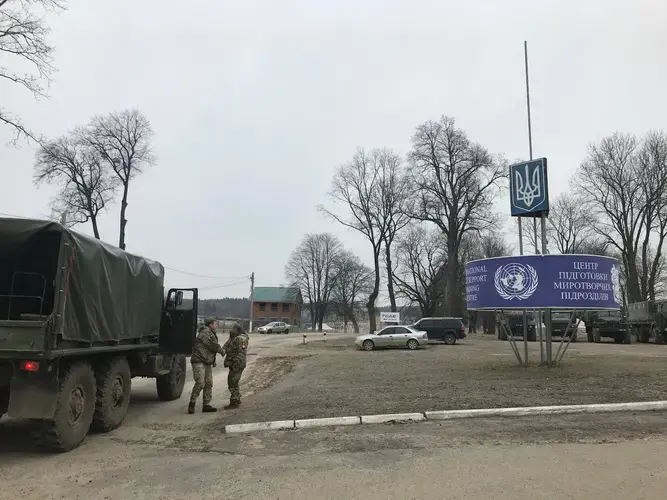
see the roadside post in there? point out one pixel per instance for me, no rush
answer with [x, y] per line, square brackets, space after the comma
[304, 337]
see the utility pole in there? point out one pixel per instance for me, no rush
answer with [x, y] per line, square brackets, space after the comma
[252, 293]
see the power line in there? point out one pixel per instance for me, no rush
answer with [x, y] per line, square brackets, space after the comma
[222, 285]
[206, 276]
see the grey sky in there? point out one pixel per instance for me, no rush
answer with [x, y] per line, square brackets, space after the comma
[254, 103]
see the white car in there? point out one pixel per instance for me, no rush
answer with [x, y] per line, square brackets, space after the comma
[274, 327]
[393, 336]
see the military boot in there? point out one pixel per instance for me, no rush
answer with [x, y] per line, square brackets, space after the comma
[208, 409]
[191, 408]
[232, 405]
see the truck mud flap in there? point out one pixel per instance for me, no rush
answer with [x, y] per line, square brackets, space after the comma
[33, 395]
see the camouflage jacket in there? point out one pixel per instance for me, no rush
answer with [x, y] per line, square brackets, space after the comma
[206, 347]
[236, 348]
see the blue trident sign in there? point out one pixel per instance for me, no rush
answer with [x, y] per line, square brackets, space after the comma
[529, 189]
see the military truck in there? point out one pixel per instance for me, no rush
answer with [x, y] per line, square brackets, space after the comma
[514, 321]
[78, 320]
[646, 320]
[561, 326]
[606, 324]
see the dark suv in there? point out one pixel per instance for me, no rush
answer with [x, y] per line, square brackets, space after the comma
[448, 330]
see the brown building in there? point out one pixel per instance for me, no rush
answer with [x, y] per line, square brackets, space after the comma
[273, 303]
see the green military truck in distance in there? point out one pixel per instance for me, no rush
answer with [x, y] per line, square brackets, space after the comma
[561, 325]
[606, 324]
[78, 320]
[646, 320]
[514, 321]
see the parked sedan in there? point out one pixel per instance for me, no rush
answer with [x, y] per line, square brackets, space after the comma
[393, 336]
[274, 327]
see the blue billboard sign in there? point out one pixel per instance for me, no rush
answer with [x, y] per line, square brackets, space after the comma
[544, 281]
[529, 188]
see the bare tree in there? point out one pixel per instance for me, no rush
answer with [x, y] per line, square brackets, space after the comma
[652, 161]
[358, 186]
[457, 182]
[570, 224]
[85, 183]
[353, 283]
[123, 140]
[392, 206]
[420, 272]
[312, 267]
[624, 181]
[23, 42]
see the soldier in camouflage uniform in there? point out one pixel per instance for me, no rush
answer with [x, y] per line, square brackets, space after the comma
[203, 360]
[236, 348]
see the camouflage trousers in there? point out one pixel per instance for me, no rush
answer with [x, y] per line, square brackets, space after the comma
[203, 375]
[233, 382]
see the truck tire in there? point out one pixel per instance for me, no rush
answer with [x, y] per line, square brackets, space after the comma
[659, 337]
[532, 337]
[644, 335]
[619, 337]
[589, 335]
[596, 335]
[114, 384]
[74, 410]
[502, 335]
[574, 337]
[627, 337]
[170, 386]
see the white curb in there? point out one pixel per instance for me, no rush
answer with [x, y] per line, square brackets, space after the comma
[260, 426]
[326, 422]
[446, 415]
[392, 417]
[546, 410]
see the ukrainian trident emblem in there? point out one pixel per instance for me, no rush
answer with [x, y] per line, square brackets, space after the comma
[527, 188]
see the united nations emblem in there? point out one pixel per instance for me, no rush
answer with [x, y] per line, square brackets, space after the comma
[616, 283]
[515, 281]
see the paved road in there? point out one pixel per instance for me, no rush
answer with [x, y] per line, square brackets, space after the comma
[413, 461]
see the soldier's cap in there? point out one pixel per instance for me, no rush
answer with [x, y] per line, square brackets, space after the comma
[209, 321]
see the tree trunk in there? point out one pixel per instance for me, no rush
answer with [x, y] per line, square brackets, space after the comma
[390, 279]
[96, 230]
[123, 220]
[355, 325]
[370, 305]
[452, 302]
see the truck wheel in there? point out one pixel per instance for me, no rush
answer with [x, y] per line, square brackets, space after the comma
[619, 338]
[573, 337]
[532, 337]
[659, 337]
[644, 335]
[589, 334]
[502, 335]
[627, 337]
[170, 386]
[74, 410]
[596, 335]
[114, 384]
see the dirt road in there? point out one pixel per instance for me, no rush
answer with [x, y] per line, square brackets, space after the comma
[595, 457]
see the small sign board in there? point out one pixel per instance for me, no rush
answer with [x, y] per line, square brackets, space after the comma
[390, 317]
[529, 188]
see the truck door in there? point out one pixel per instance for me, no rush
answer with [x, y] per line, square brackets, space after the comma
[178, 327]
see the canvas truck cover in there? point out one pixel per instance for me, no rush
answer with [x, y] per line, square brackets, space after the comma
[111, 295]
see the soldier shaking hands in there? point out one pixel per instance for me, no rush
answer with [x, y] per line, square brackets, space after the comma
[203, 360]
[236, 348]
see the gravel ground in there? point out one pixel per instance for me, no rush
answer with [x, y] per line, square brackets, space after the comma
[339, 380]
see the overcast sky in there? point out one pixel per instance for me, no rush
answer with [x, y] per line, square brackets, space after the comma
[254, 104]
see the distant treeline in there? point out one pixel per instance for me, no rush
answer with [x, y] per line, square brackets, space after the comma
[227, 307]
